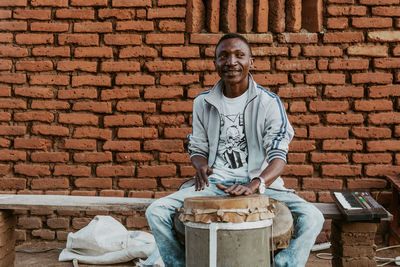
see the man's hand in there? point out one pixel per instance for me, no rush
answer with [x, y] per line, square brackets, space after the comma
[202, 172]
[238, 190]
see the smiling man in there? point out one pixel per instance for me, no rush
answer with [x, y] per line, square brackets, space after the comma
[238, 146]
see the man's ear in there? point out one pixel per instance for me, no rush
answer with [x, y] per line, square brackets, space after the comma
[251, 62]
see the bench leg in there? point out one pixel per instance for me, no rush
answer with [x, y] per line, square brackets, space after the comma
[353, 243]
[7, 238]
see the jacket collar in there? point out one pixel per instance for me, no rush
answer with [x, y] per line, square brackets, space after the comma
[215, 95]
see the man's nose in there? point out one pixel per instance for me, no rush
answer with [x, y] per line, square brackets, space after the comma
[231, 60]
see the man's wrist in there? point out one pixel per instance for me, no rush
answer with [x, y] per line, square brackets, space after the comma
[260, 184]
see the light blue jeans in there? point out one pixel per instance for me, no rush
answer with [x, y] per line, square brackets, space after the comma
[308, 222]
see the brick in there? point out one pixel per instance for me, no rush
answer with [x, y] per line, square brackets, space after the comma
[295, 65]
[298, 170]
[379, 2]
[372, 158]
[61, 51]
[115, 171]
[293, 15]
[6, 14]
[228, 15]
[321, 132]
[297, 106]
[372, 77]
[119, 94]
[31, 14]
[138, 184]
[123, 39]
[388, 11]
[13, 26]
[135, 25]
[373, 105]
[93, 183]
[116, 13]
[296, 158]
[5, 90]
[271, 79]
[140, 79]
[371, 132]
[112, 193]
[32, 170]
[88, 3]
[329, 157]
[341, 170]
[302, 146]
[10, 51]
[384, 91]
[135, 157]
[92, 132]
[382, 170]
[317, 106]
[77, 93]
[167, 12]
[344, 91]
[79, 39]
[259, 65]
[163, 145]
[342, 145]
[125, 146]
[195, 15]
[164, 65]
[49, 27]
[372, 22]
[6, 38]
[12, 183]
[93, 27]
[344, 118]
[131, 3]
[349, 64]
[50, 130]
[96, 107]
[366, 183]
[52, 3]
[178, 79]
[165, 120]
[34, 116]
[49, 79]
[312, 15]
[171, 26]
[175, 106]
[50, 183]
[78, 144]
[12, 155]
[384, 118]
[181, 52]
[325, 78]
[136, 106]
[44, 65]
[49, 157]
[138, 51]
[300, 38]
[276, 18]
[5, 116]
[95, 80]
[93, 157]
[339, 10]
[123, 120]
[34, 92]
[187, 171]
[74, 13]
[29, 222]
[88, 66]
[58, 223]
[71, 170]
[165, 38]
[32, 143]
[161, 93]
[384, 36]
[318, 183]
[368, 50]
[387, 63]
[138, 133]
[12, 103]
[105, 52]
[175, 157]
[16, 78]
[338, 23]
[343, 37]
[156, 171]
[78, 223]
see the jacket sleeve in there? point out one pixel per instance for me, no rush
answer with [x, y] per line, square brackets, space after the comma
[198, 141]
[277, 132]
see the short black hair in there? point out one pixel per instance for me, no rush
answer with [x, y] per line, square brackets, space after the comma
[233, 35]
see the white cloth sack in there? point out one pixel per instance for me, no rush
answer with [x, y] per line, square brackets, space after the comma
[106, 241]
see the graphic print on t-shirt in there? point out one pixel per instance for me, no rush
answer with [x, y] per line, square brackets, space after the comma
[233, 150]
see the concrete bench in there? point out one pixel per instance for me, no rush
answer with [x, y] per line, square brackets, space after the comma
[8, 203]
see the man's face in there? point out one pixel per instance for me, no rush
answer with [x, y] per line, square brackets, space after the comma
[233, 61]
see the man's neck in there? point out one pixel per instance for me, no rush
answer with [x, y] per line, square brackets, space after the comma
[235, 90]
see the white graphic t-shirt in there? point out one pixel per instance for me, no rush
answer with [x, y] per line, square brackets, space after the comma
[231, 161]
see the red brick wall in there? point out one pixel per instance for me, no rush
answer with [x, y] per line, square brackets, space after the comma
[96, 98]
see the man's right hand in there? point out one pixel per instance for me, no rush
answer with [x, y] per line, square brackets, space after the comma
[202, 172]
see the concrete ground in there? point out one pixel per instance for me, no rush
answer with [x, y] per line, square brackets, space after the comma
[50, 258]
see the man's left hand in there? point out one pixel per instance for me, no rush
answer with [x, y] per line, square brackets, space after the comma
[239, 190]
